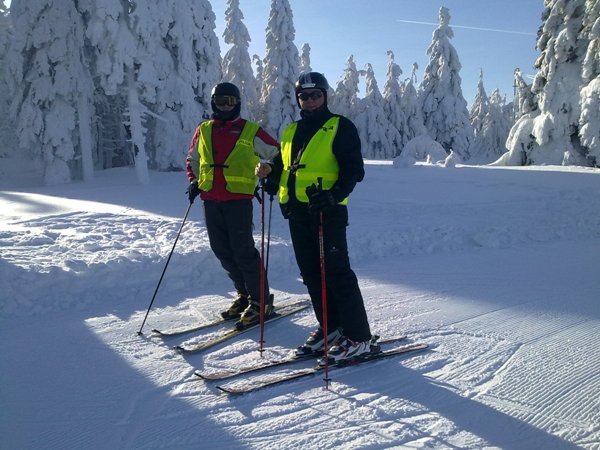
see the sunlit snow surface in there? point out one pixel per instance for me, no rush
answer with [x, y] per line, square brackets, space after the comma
[496, 269]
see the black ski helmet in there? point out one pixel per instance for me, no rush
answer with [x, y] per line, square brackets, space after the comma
[226, 88]
[312, 80]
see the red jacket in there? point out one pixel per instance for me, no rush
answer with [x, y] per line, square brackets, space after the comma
[224, 137]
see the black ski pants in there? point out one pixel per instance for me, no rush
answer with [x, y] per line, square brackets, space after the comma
[229, 227]
[345, 306]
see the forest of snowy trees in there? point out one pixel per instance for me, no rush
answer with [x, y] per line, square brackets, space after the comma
[93, 84]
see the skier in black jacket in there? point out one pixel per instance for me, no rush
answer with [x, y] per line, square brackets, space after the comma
[323, 146]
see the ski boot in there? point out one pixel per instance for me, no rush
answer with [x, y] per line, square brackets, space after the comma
[251, 315]
[237, 308]
[315, 344]
[346, 350]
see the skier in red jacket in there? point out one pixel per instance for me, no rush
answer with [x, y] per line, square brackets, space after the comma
[226, 156]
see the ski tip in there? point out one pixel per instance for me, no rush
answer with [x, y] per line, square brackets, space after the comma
[227, 391]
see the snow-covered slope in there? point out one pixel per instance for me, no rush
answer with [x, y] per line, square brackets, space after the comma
[495, 268]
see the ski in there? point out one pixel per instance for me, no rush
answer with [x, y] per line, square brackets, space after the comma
[283, 378]
[190, 329]
[186, 330]
[279, 313]
[268, 364]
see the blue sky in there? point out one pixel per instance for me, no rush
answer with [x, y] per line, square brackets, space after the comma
[334, 29]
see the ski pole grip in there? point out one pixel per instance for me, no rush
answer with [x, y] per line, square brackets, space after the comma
[320, 183]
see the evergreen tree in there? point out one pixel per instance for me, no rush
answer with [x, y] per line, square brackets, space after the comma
[480, 107]
[525, 100]
[492, 131]
[412, 108]
[497, 126]
[111, 50]
[189, 38]
[237, 67]
[379, 138]
[7, 126]
[444, 107]
[393, 106]
[52, 87]
[345, 98]
[280, 70]
[558, 82]
[477, 115]
[520, 138]
[549, 135]
[305, 59]
[259, 80]
[157, 65]
[589, 121]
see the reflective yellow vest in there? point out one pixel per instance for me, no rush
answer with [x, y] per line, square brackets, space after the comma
[239, 166]
[317, 161]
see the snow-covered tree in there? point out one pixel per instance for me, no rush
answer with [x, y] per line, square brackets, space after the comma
[111, 50]
[480, 106]
[280, 71]
[550, 134]
[237, 67]
[477, 115]
[525, 100]
[345, 99]
[379, 138]
[444, 107]
[157, 64]
[491, 131]
[305, 59]
[589, 121]
[412, 107]
[7, 135]
[183, 97]
[259, 79]
[53, 88]
[499, 123]
[393, 106]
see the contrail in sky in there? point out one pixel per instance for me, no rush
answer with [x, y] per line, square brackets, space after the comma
[469, 28]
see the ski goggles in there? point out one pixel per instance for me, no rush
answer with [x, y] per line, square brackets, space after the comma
[225, 100]
[314, 95]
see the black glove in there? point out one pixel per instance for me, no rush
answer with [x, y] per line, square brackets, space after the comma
[319, 200]
[271, 187]
[193, 190]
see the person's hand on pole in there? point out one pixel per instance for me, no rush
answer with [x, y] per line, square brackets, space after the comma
[263, 169]
[193, 191]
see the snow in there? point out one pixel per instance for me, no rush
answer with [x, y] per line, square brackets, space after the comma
[495, 268]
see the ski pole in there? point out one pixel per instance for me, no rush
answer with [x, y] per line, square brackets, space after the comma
[269, 234]
[165, 269]
[262, 265]
[323, 288]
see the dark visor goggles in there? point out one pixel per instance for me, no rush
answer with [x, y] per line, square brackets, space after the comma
[315, 95]
[225, 100]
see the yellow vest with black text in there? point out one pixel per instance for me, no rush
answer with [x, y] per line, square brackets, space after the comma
[317, 161]
[239, 166]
